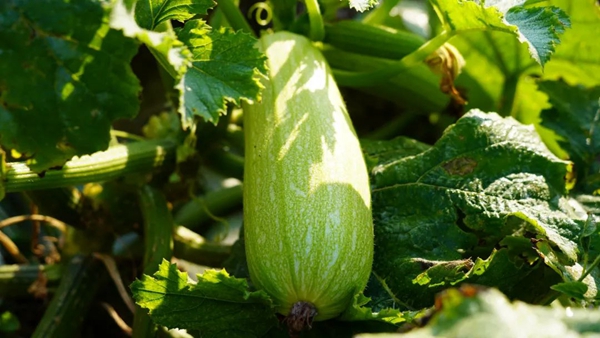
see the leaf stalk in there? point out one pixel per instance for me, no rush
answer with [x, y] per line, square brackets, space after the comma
[317, 27]
[234, 16]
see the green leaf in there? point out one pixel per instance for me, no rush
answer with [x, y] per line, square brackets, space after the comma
[64, 78]
[171, 53]
[570, 272]
[237, 263]
[451, 272]
[590, 227]
[572, 289]
[485, 179]
[577, 58]
[363, 5]
[575, 116]
[496, 62]
[492, 61]
[216, 306]
[361, 311]
[151, 13]
[463, 15]
[226, 67]
[9, 322]
[382, 152]
[380, 295]
[498, 77]
[539, 27]
[472, 312]
[517, 271]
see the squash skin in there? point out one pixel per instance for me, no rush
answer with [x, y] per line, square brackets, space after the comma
[307, 208]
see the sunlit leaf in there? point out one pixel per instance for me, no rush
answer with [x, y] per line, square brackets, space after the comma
[226, 67]
[216, 306]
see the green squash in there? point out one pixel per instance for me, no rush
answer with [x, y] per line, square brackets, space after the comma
[307, 209]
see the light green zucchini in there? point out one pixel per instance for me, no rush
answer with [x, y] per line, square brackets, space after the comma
[307, 209]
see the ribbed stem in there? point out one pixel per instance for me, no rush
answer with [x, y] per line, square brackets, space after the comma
[65, 313]
[158, 231]
[137, 157]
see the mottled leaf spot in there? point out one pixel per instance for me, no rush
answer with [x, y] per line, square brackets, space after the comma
[460, 166]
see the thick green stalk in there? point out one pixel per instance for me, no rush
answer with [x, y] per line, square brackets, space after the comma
[234, 16]
[226, 163]
[366, 79]
[217, 19]
[187, 245]
[137, 157]
[284, 13]
[417, 89]
[201, 210]
[158, 238]
[158, 228]
[378, 15]
[317, 27]
[72, 299]
[379, 41]
[194, 248]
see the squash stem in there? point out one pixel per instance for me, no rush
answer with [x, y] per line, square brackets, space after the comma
[379, 14]
[300, 318]
[317, 27]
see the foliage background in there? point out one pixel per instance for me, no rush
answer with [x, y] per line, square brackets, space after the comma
[492, 202]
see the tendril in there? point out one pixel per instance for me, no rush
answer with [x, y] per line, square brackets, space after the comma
[257, 10]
